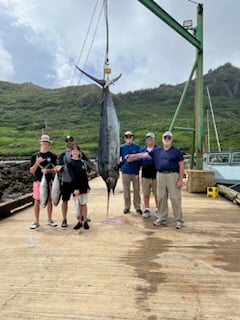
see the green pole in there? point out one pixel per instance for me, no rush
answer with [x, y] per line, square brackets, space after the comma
[199, 132]
[197, 41]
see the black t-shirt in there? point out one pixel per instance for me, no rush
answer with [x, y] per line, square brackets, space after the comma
[148, 166]
[50, 161]
[148, 169]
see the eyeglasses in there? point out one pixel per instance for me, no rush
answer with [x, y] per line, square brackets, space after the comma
[128, 136]
[167, 137]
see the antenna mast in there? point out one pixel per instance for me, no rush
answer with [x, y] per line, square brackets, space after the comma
[214, 122]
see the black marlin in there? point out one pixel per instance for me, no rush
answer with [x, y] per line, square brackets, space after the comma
[109, 137]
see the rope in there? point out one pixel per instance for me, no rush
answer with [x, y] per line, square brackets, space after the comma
[85, 41]
[193, 2]
[81, 54]
[94, 35]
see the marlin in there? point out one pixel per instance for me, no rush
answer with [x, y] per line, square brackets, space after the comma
[109, 137]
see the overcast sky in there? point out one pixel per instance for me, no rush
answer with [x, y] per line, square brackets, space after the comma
[42, 40]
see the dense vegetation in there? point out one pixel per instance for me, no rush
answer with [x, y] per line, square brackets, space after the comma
[27, 110]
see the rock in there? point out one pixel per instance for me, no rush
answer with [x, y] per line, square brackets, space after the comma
[15, 179]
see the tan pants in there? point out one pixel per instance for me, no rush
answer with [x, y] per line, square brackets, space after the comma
[126, 181]
[166, 187]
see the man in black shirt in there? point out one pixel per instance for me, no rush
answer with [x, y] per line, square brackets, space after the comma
[66, 188]
[148, 179]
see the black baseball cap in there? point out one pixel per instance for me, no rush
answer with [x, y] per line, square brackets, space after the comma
[76, 147]
[69, 138]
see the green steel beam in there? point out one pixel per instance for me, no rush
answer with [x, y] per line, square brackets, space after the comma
[197, 41]
[187, 84]
[156, 9]
[185, 129]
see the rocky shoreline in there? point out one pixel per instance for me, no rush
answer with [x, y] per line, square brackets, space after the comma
[15, 178]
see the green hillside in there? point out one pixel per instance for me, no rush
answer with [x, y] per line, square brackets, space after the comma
[26, 110]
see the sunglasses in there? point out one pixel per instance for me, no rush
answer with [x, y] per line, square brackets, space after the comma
[69, 140]
[128, 136]
[167, 137]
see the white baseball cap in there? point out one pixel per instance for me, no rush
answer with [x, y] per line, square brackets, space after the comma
[150, 135]
[45, 137]
[167, 133]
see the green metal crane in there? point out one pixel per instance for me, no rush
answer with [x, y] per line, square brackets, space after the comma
[197, 41]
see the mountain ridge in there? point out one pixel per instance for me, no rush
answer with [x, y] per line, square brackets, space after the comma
[27, 110]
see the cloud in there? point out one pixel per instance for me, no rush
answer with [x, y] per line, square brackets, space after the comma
[6, 67]
[41, 41]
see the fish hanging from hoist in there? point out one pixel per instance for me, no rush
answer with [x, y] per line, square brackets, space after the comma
[109, 134]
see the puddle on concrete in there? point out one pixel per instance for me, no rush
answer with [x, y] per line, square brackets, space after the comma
[143, 262]
[116, 221]
[227, 252]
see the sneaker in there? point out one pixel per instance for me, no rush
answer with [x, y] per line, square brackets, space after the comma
[156, 213]
[78, 226]
[179, 225]
[139, 211]
[35, 225]
[86, 225]
[52, 223]
[158, 222]
[64, 224]
[126, 210]
[146, 213]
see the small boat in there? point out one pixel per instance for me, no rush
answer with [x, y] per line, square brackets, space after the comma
[225, 164]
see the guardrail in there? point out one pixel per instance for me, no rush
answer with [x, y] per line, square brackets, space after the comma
[12, 206]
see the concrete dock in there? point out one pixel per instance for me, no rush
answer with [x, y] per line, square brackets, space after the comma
[123, 267]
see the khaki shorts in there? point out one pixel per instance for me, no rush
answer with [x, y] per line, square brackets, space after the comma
[148, 186]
